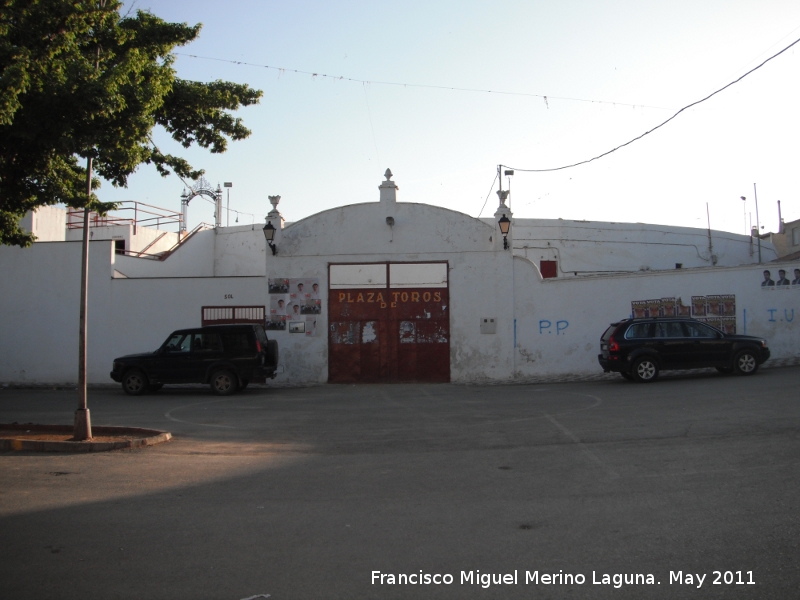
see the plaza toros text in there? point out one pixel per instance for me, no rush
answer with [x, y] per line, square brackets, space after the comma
[389, 299]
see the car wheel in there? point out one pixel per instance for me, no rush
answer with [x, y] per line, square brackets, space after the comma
[627, 376]
[134, 382]
[245, 383]
[745, 363]
[224, 383]
[725, 370]
[644, 370]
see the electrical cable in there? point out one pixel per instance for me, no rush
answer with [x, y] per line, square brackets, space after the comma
[583, 162]
[489, 194]
[419, 85]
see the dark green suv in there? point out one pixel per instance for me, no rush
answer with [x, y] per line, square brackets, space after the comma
[228, 357]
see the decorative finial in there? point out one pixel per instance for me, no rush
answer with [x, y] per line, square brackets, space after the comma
[388, 174]
[274, 201]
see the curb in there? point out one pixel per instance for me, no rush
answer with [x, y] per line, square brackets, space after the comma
[139, 438]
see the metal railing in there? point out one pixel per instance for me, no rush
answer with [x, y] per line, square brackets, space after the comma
[144, 215]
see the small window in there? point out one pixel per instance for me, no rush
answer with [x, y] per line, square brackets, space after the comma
[638, 331]
[548, 268]
[119, 246]
[796, 236]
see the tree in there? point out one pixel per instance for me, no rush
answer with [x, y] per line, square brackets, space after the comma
[79, 80]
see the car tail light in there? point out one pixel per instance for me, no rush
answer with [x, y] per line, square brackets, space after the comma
[258, 346]
[613, 346]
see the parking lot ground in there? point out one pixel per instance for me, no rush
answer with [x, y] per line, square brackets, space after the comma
[308, 492]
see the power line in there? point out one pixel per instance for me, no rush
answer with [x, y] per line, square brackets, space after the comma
[583, 162]
[418, 85]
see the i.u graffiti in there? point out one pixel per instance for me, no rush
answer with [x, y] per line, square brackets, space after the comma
[788, 314]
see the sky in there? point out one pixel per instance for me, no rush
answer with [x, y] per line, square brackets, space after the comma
[568, 81]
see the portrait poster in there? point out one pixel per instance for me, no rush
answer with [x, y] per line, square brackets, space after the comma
[727, 324]
[698, 306]
[714, 322]
[311, 326]
[653, 308]
[682, 310]
[278, 286]
[727, 305]
[638, 308]
[304, 288]
[278, 304]
[712, 306]
[668, 306]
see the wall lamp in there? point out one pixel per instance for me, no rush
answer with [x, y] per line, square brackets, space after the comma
[504, 224]
[269, 235]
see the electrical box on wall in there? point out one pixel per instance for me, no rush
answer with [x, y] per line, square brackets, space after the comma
[488, 325]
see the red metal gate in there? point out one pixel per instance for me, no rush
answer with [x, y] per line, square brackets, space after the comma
[389, 333]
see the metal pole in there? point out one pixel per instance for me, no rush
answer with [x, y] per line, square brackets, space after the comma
[758, 224]
[744, 207]
[83, 424]
[710, 246]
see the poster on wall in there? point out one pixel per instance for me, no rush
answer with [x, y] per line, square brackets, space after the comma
[781, 279]
[276, 323]
[638, 308]
[653, 308]
[698, 306]
[668, 306]
[311, 326]
[278, 286]
[718, 310]
[291, 300]
[278, 304]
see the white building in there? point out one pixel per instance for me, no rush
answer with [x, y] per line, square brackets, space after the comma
[391, 291]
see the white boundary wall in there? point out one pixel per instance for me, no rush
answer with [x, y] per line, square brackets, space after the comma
[40, 296]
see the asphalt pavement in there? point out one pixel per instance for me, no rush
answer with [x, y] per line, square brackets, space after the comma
[685, 488]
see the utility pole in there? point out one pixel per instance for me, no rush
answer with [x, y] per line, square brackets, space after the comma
[758, 224]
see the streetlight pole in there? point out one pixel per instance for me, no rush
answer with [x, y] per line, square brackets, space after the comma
[744, 205]
[758, 224]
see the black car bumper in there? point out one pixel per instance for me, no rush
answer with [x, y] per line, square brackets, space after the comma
[613, 363]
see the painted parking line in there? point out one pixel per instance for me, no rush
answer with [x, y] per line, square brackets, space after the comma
[582, 447]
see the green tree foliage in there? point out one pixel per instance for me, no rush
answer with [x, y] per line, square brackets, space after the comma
[80, 80]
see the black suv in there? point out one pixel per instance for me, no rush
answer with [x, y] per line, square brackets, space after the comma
[226, 356]
[639, 348]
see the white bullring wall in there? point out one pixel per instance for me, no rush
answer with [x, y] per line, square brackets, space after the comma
[579, 309]
[136, 303]
[582, 247]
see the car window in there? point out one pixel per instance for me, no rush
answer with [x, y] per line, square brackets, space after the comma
[237, 341]
[669, 329]
[261, 334]
[206, 343]
[179, 342]
[607, 335]
[638, 331]
[698, 330]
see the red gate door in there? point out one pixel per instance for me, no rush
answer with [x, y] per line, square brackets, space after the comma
[395, 330]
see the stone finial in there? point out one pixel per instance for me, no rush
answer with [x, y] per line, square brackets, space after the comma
[388, 188]
[275, 213]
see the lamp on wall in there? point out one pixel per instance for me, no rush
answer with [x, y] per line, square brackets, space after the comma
[504, 224]
[269, 235]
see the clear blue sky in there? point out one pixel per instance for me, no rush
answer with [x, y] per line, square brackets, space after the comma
[322, 142]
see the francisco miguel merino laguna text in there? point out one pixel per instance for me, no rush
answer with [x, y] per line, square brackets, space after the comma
[488, 579]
